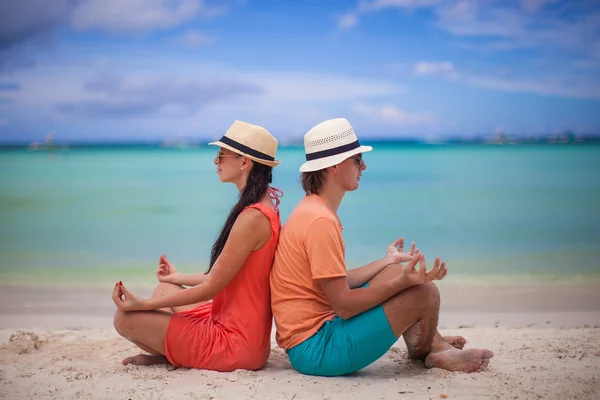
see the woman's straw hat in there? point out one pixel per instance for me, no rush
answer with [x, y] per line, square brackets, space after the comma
[251, 141]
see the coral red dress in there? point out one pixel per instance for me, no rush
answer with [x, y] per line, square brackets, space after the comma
[234, 330]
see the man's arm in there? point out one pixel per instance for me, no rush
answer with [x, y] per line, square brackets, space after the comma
[350, 302]
[325, 250]
[395, 255]
[361, 275]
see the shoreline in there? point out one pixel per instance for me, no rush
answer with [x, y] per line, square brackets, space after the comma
[143, 276]
[552, 306]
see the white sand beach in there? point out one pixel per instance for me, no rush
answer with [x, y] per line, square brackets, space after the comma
[58, 343]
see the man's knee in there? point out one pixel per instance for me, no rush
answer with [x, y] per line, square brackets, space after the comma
[429, 292]
[425, 297]
[418, 298]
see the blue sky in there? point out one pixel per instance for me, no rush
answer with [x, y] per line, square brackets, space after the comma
[171, 69]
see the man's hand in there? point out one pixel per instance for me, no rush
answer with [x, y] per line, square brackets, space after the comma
[125, 300]
[413, 277]
[165, 271]
[395, 252]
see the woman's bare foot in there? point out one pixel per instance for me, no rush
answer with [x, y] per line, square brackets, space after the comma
[456, 341]
[471, 360]
[145, 359]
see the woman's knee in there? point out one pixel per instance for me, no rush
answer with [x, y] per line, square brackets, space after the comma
[165, 288]
[119, 322]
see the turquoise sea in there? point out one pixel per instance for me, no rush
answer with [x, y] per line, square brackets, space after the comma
[512, 213]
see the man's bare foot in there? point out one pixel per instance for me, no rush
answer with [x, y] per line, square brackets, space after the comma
[456, 341]
[145, 359]
[471, 360]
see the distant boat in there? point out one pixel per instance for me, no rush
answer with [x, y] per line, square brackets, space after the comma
[48, 145]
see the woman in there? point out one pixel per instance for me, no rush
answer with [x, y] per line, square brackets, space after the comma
[181, 326]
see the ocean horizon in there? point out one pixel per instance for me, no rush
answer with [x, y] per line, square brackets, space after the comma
[192, 142]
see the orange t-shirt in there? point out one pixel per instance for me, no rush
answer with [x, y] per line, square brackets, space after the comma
[310, 247]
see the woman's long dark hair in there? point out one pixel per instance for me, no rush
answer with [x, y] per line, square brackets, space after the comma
[256, 187]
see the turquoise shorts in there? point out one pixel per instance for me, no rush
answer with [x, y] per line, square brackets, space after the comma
[341, 347]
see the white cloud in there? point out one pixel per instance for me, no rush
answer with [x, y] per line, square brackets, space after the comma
[299, 87]
[503, 28]
[497, 25]
[578, 89]
[391, 115]
[535, 5]
[382, 4]
[24, 20]
[350, 19]
[444, 68]
[195, 38]
[580, 86]
[112, 96]
[466, 18]
[347, 21]
[139, 15]
[147, 98]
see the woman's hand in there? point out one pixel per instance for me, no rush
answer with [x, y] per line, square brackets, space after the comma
[125, 300]
[165, 271]
[395, 252]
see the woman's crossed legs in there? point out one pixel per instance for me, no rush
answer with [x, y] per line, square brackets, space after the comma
[147, 329]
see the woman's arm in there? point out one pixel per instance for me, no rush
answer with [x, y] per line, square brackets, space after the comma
[186, 279]
[250, 229]
[166, 272]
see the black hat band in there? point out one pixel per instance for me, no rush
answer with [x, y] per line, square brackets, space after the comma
[332, 152]
[245, 149]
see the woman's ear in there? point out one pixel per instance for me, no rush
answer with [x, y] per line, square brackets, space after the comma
[246, 163]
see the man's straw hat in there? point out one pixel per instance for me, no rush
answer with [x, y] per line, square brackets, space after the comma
[330, 143]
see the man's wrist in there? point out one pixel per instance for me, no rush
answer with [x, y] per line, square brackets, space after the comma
[387, 260]
[400, 283]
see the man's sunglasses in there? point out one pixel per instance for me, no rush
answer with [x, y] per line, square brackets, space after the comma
[358, 159]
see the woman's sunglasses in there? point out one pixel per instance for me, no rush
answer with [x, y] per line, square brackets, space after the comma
[219, 155]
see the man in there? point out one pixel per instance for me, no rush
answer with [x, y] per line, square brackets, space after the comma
[332, 321]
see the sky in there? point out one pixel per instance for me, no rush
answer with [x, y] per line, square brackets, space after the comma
[90, 70]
